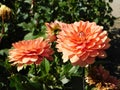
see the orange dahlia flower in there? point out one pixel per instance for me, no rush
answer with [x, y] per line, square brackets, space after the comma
[52, 29]
[27, 52]
[81, 42]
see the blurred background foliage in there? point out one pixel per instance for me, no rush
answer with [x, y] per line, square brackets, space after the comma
[27, 22]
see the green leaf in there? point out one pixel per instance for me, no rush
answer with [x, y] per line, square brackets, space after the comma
[21, 82]
[65, 69]
[73, 70]
[28, 1]
[45, 66]
[96, 20]
[29, 36]
[15, 81]
[64, 80]
[3, 52]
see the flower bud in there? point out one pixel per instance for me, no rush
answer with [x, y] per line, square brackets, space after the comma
[5, 12]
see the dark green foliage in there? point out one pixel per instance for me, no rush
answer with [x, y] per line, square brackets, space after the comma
[27, 22]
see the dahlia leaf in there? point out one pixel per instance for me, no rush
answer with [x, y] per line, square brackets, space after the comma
[73, 70]
[45, 66]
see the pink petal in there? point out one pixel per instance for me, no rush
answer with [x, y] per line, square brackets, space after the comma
[94, 53]
[80, 63]
[90, 60]
[74, 59]
[84, 56]
[20, 67]
[102, 54]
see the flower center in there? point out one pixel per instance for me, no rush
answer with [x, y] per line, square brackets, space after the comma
[82, 35]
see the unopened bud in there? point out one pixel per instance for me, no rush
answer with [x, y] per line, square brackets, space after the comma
[5, 12]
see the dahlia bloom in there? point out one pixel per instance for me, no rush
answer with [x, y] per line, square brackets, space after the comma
[52, 29]
[27, 52]
[101, 79]
[81, 42]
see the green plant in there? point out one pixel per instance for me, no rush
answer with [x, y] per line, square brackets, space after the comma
[26, 21]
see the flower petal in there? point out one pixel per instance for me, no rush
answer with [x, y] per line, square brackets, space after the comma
[102, 54]
[90, 60]
[20, 67]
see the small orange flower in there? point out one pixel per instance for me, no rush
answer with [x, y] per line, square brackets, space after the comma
[81, 42]
[27, 52]
[52, 29]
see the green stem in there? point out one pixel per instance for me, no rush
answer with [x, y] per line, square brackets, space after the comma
[32, 7]
[3, 30]
[35, 69]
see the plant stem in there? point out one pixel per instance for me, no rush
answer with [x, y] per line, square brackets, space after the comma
[3, 30]
[32, 7]
[35, 69]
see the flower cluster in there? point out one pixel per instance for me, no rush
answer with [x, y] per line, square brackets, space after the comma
[102, 79]
[28, 52]
[80, 42]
